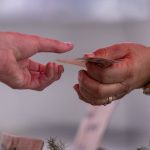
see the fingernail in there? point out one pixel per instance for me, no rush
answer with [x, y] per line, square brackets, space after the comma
[70, 44]
[89, 55]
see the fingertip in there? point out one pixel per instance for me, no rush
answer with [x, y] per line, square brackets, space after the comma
[81, 74]
[89, 55]
[69, 44]
[49, 65]
[60, 68]
[76, 87]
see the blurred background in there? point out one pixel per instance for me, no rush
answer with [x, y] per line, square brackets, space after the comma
[89, 24]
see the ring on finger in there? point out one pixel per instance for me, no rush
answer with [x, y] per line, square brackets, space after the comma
[109, 100]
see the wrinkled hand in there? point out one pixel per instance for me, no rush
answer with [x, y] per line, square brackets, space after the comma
[132, 71]
[18, 71]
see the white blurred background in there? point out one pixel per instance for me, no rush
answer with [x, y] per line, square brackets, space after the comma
[89, 24]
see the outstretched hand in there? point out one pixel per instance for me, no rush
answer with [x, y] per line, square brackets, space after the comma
[18, 71]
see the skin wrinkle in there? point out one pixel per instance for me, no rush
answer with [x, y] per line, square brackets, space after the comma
[83, 82]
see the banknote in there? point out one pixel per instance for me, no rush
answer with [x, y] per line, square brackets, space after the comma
[102, 62]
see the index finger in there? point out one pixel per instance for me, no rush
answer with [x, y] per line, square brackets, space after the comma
[27, 45]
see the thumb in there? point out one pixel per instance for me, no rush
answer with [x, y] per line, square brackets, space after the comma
[113, 52]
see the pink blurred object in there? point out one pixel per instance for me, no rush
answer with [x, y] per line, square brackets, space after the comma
[93, 127]
[12, 142]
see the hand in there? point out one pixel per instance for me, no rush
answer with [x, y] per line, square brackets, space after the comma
[18, 71]
[132, 71]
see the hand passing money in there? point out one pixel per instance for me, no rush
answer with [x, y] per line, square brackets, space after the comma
[102, 63]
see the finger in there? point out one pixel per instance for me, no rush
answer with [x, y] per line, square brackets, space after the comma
[119, 96]
[52, 73]
[87, 98]
[99, 90]
[116, 73]
[38, 79]
[81, 97]
[31, 44]
[113, 52]
[35, 66]
[58, 70]
[76, 87]
[109, 100]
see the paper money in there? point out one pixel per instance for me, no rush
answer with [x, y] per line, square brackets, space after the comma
[102, 62]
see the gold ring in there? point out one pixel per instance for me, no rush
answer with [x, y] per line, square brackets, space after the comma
[109, 100]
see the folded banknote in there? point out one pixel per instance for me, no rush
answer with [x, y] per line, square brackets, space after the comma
[102, 62]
